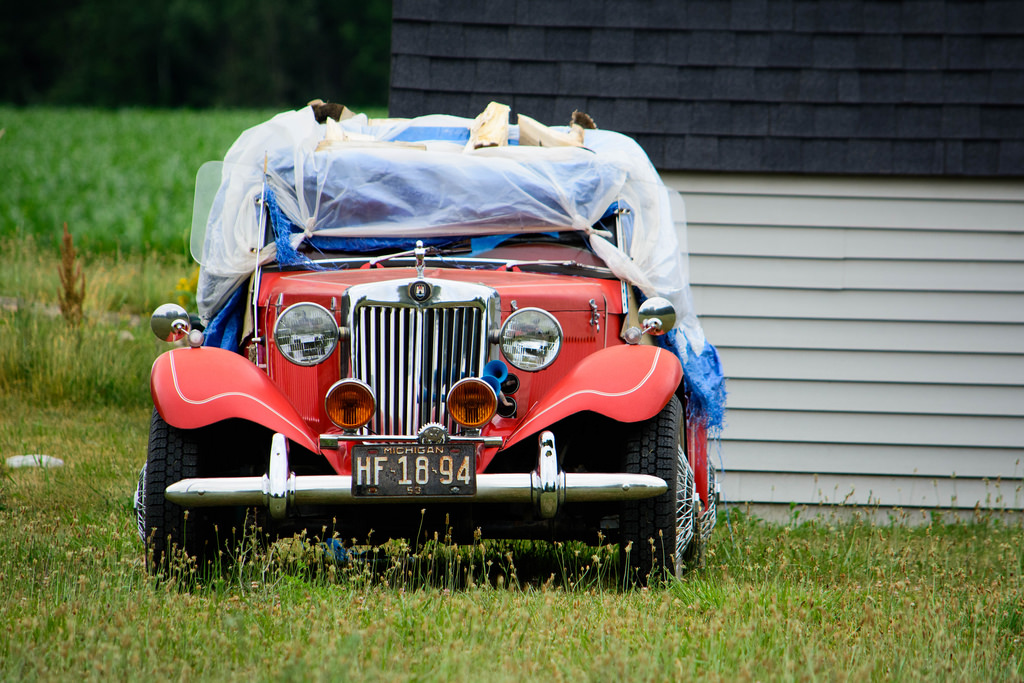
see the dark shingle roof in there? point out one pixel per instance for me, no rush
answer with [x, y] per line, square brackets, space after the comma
[920, 87]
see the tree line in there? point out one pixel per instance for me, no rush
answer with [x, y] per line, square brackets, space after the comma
[195, 53]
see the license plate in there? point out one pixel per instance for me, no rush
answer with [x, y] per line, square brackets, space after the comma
[410, 470]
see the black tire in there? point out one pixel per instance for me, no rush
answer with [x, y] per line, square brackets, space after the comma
[175, 537]
[662, 532]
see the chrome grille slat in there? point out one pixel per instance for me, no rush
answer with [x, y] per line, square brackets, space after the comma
[433, 367]
[392, 381]
[399, 342]
[411, 357]
[414, 406]
[465, 337]
[444, 369]
[458, 341]
[364, 360]
[375, 365]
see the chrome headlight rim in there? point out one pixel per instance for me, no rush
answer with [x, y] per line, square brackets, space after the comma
[333, 332]
[503, 339]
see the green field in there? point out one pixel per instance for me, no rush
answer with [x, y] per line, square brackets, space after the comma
[123, 180]
[823, 599]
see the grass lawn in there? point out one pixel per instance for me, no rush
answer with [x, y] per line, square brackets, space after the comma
[818, 600]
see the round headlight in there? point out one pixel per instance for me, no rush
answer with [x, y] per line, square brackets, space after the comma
[472, 402]
[306, 333]
[531, 339]
[350, 403]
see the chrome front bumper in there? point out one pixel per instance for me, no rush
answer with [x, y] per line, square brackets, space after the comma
[547, 488]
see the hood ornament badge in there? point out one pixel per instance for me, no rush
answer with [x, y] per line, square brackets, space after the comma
[419, 289]
[420, 252]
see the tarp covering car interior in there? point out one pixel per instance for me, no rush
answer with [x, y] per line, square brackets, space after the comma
[385, 183]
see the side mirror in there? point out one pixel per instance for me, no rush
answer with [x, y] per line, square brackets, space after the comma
[657, 316]
[170, 323]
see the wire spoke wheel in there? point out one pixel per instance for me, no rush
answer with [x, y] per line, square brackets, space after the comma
[687, 516]
[139, 504]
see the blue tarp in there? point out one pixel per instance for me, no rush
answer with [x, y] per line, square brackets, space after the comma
[704, 378]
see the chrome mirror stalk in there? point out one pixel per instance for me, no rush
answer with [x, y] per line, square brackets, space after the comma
[657, 316]
[170, 323]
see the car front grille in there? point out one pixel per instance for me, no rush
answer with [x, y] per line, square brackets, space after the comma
[410, 356]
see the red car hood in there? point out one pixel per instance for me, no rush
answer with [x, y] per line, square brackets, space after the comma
[551, 292]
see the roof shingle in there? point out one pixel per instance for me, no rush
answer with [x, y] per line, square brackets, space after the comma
[920, 87]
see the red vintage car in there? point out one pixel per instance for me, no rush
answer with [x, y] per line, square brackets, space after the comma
[436, 323]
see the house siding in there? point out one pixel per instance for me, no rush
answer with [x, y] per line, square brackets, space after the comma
[872, 334]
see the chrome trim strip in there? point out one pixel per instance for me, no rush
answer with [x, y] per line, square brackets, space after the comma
[331, 441]
[580, 487]
[450, 261]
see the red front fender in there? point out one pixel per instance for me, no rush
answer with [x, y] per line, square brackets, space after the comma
[625, 383]
[197, 387]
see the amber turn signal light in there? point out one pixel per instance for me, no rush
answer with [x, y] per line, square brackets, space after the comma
[472, 402]
[350, 404]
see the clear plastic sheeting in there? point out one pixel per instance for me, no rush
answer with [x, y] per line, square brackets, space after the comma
[417, 179]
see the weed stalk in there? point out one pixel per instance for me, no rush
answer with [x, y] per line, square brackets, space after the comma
[72, 281]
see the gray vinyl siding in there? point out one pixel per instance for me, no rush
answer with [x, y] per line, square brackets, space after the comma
[872, 335]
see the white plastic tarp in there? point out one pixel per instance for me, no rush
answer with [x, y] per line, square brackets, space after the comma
[375, 187]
